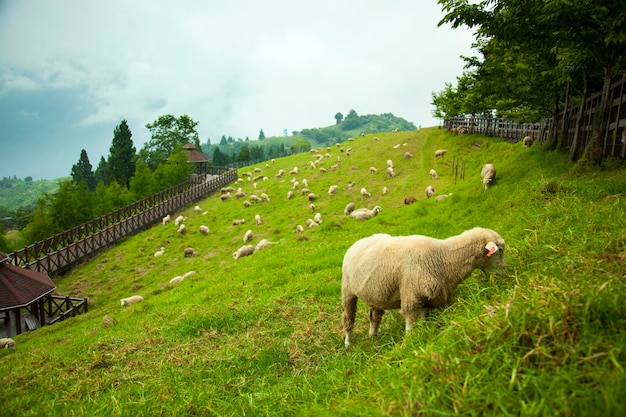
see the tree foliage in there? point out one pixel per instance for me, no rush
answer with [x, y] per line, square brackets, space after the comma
[82, 171]
[120, 165]
[167, 134]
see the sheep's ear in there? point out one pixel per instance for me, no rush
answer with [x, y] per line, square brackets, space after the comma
[491, 248]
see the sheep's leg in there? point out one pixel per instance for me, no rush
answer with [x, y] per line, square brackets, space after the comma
[349, 312]
[376, 317]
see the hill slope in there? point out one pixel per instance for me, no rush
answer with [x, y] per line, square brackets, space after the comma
[261, 335]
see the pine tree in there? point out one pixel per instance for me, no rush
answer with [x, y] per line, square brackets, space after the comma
[82, 171]
[121, 162]
[100, 174]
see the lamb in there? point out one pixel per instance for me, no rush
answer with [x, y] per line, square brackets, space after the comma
[408, 154]
[365, 213]
[334, 189]
[317, 218]
[131, 300]
[189, 252]
[237, 222]
[248, 236]
[205, 230]
[264, 243]
[197, 209]
[166, 219]
[289, 195]
[7, 343]
[488, 174]
[413, 273]
[257, 219]
[430, 191]
[390, 172]
[182, 229]
[246, 204]
[179, 220]
[312, 207]
[433, 174]
[373, 170]
[243, 251]
[528, 141]
[385, 190]
[349, 208]
[389, 163]
[365, 193]
[439, 153]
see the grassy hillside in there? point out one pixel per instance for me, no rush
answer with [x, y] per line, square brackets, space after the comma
[261, 335]
[16, 193]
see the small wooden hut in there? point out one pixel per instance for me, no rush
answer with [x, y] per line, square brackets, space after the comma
[197, 158]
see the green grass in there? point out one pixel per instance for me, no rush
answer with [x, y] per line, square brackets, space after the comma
[262, 335]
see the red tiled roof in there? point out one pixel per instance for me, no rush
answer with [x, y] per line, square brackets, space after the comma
[19, 287]
[193, 155]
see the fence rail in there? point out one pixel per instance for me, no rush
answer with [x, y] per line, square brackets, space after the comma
[564, 125]
[63, 250]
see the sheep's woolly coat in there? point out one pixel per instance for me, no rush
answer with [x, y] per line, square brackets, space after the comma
[412, 273]
[488, 174]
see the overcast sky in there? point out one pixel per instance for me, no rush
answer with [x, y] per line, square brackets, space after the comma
[72, 70]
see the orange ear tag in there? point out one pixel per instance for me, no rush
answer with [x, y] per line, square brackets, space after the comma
[492, 250]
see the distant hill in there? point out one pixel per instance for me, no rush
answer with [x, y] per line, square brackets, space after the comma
[16, 193]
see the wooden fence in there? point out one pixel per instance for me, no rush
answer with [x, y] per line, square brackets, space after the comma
[614, 144]
[63, 250]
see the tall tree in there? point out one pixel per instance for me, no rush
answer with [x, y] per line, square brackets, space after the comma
[121, 162]
[168, 133]
[82, 171]
[100, 174]
[338, 117]
[220, 159]
[142, 183]
[261, 135]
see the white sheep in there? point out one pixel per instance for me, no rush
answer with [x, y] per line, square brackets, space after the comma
[390, 172]
[365, 193]
[310, 223]
[389, 163]
[349, 208]
[188, 274]
[299, 229]
[177, 279]
[312, 207]
[365, 213]
[197, 209]
[439, 153]
[159, 252]
[317, 218]
[408, 154]
[413, 273]
[182, 229]
[333, 189]
[289, 195]
[188, 252]
[311, 197]
[7, 343]
[373, 170]
[442, 197]
[204, 230]
[225, 196]
[488, 174]
[131, 300]
[243, 251]
[430, 191]
[433, 174]
[265, 197]
[166, 219]
[264, 243]
[385, 190]
[237, 222]
[257, 219]
[528, 141]
[248, 236]
[179, 220]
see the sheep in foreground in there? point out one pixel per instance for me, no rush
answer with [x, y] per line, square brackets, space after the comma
[204, 230]
[439, 153]
[430, 191]
[131, 300]
[349, 208]
[365, 213]
[7, 343]
[413, 273]
[488, 174]
[245, 250]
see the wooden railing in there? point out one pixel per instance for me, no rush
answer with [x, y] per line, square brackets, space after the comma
[61, 308]
[63, 250]
[614, 141]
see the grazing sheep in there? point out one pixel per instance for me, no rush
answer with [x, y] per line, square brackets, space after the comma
[311, 196]
[131, 300]
[240, 194]
[299, 229]
[237, 222]
[349, 208]
[385, 190]
[255, 198]
[160, 252]
[528, 141]
[433, 174]
[225, 197]
[166, 219]
[245, 250]
[439, 153]
[390, 172]
[409, 200]
[312, 207]
[289, 195]
[442, 197]
[264, 243]
[365, 213]
[248, 236]
[310, 223]
[488, 174]
[227, 190]
[188, 274]
[373, 170]
[365, 193]
[182, 229]
[246, 204]
[265, 197]
[412, 273]
[294, 171]
[334, 189]
[389, 163]
[197, 209]
[179, 220]
[317, 218]
[189, 252]
[257, 219]
[205, 230]
[280, 173]
[408, 154]
[7, 343]
[430, 191]
[177, 279]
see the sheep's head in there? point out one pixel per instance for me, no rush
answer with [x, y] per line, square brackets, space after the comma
[493, 256]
